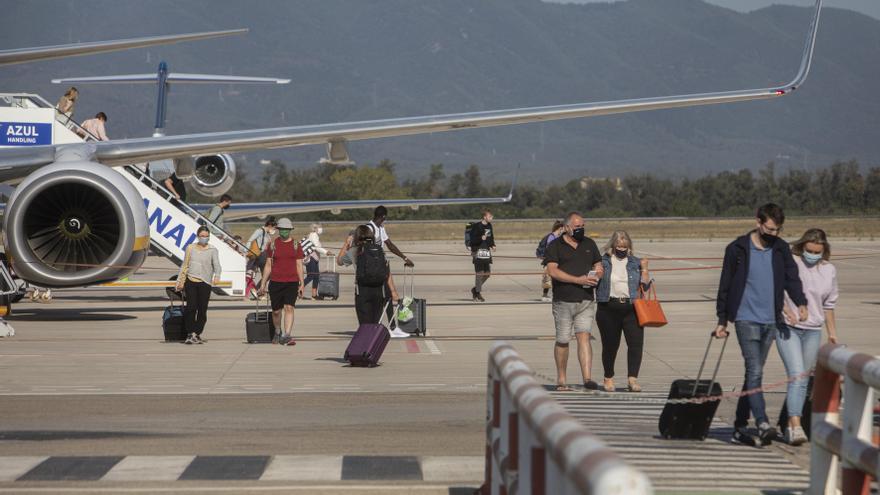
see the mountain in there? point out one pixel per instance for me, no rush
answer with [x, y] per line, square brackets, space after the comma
[370, 59]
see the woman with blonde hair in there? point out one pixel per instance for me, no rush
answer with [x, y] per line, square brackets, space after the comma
[616, 315]
[798, 341]
[66, 105]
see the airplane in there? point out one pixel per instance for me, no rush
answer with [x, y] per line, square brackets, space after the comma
[70, 193]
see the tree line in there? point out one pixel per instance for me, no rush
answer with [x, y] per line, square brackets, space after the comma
[839, 189]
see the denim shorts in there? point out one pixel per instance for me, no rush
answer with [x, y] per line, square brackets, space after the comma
[572, 318]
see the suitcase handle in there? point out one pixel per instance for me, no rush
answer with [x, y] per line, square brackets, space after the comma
[265, 307]
[171, 293]
[385, 315]
[411, 278]
[703, 365]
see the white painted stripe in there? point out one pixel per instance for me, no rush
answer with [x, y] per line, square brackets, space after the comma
[432, 346]
[304, 468]
[13, 467]
[149, 468]
[434, 489]
[453, 468]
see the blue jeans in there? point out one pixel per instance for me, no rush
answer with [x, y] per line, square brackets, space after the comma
[798, 349]
[312, 269]
[755, 340]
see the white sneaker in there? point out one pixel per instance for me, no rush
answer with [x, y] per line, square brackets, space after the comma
[795, 436]
[399, 334]
[546, 299]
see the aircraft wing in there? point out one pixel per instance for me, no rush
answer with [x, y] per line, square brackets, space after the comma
[22, 55]
[128, 151]
[175, 77]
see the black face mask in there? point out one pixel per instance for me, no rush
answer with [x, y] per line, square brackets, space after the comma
[768, 239]
[578, 234]
[621, 253]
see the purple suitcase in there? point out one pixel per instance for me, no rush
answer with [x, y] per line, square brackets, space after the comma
[367, 345]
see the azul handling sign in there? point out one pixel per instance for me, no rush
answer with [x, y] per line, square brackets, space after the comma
[25, 134]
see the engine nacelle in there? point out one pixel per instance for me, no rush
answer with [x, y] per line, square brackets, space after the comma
[75, 223]
[212, 175]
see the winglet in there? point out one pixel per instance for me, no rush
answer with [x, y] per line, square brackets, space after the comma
[807, 59]
[22, 55]
[509, 196]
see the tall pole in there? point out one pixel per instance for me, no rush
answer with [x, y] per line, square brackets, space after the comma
[162, 101]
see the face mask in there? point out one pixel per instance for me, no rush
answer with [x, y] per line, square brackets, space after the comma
[203, 241]
[578, 234]
[768, 238]
[621, 253]
[320, 230]
[284, 233]
[811, 259]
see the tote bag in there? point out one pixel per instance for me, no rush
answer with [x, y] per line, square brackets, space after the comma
[648, 309]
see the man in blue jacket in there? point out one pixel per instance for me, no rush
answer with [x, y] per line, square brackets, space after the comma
[758, 269]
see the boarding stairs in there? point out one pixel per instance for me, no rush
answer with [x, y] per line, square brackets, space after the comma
[173, 223]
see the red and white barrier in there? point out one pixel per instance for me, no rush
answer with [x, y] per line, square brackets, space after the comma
[851, 445]
[534, 446]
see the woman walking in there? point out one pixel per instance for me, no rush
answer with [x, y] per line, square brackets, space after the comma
[66, 105]
[313, 262]
[798, 341]
[619, 287]
[198, 273]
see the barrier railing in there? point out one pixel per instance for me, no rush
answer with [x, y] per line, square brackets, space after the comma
[534, 446]
[846, 449]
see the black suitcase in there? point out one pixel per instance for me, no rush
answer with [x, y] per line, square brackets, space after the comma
[172, 318]
[328, 282]
[259, 326]
[418, 325]
[691, 421]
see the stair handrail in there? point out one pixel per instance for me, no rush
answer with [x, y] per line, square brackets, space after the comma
[41, 102]
[189, 210]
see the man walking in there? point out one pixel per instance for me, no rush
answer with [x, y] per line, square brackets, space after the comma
[215, 214]
[575, 265]
[758, 268]
[377, 225]
[482, 246]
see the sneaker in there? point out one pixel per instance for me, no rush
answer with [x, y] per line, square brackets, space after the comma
[276, 338]
[290, 341]
[546, 299]
[199, 339]
[399, 334]
[474, 294]
[190, 339]
[591, 385]
[741, 437]
[795, 436]
[480, 297]
[766, 433]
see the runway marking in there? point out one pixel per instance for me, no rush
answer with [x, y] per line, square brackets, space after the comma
[212, 488]
[149, 468]
[676, 465]
[412, 346]
[355, 467]
[432, 346]
[11, 468]
[226, 468]
[304, 468]
[453, 468]
[71, 468]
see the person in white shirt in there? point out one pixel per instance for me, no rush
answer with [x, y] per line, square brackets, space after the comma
[313, 260]
[95, 126]
[381, 237]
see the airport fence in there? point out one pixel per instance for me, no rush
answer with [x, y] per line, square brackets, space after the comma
[848, 450]
[534, 446]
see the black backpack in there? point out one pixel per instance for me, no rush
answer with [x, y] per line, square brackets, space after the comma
[541, 251]
[372, 269]
[467, 233]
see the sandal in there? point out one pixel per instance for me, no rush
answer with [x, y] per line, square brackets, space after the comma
[563, 388]
[608, 385]
[633, 385]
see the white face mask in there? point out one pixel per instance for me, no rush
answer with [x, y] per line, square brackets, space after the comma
[203, 241]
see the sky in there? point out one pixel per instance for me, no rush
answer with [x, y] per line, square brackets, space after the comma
[869, 7]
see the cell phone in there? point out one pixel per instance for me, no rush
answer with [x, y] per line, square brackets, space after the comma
[592, 273]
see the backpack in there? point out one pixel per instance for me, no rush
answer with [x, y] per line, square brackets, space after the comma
[467, 233]
[372, 269]
[541, 251]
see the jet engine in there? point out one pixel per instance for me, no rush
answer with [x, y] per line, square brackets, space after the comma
[212, 175]
[75, 223]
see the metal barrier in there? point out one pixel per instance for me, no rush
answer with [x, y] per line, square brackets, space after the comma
[849, 447]
[534, 446]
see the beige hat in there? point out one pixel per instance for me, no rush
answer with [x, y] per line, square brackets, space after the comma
[285, 223]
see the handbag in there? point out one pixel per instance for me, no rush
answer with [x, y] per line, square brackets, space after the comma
[648, 310]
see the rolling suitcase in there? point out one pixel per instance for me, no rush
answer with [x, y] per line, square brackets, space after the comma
[259, 327]
[172, 318]
[368, 344]
[418, 325]
[328, 282]
[692, 420]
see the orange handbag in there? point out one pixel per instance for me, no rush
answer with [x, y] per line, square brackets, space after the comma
[648, 309]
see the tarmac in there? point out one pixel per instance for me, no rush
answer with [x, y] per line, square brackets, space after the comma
[92, 399]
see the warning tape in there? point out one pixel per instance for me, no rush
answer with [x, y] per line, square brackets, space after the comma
[695, 400]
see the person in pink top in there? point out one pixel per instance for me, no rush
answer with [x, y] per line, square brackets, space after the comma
[95, 126]
[798, 341]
